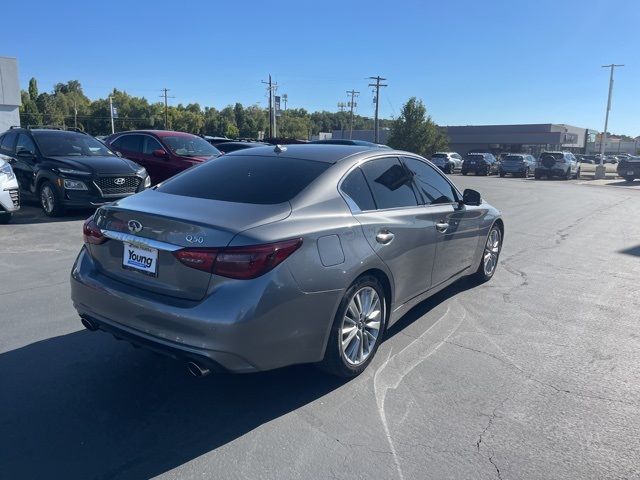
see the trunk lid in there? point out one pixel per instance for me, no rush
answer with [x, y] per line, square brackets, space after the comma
[165, 223]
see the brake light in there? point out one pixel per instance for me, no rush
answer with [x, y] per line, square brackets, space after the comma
[242, 263]
[92, 233]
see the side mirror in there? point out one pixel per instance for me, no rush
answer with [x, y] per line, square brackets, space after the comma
[159, 153]
[471, 197]
[24, 153]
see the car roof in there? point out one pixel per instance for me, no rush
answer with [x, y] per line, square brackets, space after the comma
[328, 153]
[160, 133]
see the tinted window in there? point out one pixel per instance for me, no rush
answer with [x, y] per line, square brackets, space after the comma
[246, 179]
[129, 143]
[63, 144]
[390, 183]
[190, 146]
[433, 188]
[355, 186]
[25, 143]
[439, 155]
[8, 142]
[513, 158]
[151, 144]
[555, 156]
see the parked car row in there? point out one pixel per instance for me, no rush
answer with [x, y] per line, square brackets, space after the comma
[549, 164]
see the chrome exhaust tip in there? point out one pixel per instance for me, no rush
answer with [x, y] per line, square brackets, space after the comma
[197, 370]
[88, 324]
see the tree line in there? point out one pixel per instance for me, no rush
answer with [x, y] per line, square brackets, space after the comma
[68, 106]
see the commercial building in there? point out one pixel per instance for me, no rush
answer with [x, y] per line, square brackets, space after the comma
[530, 138]
[9, 93]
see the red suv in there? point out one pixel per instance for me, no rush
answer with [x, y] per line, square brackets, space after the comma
[162, 152]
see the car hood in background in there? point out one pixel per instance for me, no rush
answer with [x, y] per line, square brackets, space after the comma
[98, 165]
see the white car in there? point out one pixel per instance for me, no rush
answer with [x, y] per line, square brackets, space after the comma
[448, 162]
[9, 195]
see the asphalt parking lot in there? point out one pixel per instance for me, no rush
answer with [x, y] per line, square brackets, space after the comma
[535, 374]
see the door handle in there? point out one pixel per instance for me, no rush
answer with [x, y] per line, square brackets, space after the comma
[442, 227]
[384, 237]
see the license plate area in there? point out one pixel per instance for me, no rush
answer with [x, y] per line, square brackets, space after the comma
[140, 258]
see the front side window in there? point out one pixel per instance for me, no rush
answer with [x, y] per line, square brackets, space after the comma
[25, 143]
[356, 188]
[432, 187]
[190, 146]
[69, 144]
[390, 183]
[8, 142]
[151, 144]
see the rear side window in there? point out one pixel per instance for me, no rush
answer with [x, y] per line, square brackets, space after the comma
[246, 179]
[356, 188]
[129, 143]
[390, 183]
[433, 188]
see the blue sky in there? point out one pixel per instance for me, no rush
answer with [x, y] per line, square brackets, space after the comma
[471, 61]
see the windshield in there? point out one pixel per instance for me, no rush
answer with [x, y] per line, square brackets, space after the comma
[439, 155]
[190, 146]
[555, 156]
[58, 143]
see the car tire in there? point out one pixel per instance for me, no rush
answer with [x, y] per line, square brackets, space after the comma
[49, 200]
[5, 217]
[491, 253]
[527, 173]
[341, 355]
[577, 175]
[629, 178]
[464, 173]
[502, 174]
[567, 176]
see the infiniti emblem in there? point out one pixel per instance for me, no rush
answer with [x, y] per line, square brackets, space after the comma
[134, 226]
[119, 181]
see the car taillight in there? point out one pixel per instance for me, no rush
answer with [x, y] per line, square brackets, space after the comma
[242, 263]
[92, 233]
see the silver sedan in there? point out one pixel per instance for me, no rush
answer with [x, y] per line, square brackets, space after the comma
[277, 256]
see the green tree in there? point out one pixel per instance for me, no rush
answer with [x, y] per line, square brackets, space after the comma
[415, 132]
[33, 89]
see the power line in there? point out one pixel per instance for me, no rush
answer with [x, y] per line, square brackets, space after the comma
[352, 104]
[378, 79]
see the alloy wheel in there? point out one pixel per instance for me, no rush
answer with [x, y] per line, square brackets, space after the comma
[47, 199]
[360, 326]
[491, 251]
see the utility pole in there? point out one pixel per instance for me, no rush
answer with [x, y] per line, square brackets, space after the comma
[378, 79]
[75, 115]
[353, 104]
[271, 88]
[113, 130]
[600, 169]
[342, 106]
[285, 99]
[166, 106]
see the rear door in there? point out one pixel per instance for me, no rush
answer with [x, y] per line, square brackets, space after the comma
[25, 166]
[455, 227]
[399, 230]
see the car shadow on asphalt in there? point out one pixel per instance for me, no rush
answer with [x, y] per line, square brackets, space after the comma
[31, 213]
[83, 406]
[631, 251]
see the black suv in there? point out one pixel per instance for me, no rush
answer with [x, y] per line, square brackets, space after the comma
[69, 169]
[480, 164]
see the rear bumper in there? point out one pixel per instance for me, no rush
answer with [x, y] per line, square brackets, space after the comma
[475, 169]
[513, 168]
[555, 172]
[240, 326]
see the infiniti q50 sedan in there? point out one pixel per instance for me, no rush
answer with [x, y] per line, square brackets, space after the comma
[269, 257]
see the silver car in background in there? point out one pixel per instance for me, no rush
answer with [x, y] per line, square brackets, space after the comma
[448, 162]
[276, 256]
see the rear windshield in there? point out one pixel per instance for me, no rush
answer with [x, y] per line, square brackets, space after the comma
[475, 156]
[246, 179]
[556, 156]
[513, 158]
[439, 155]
